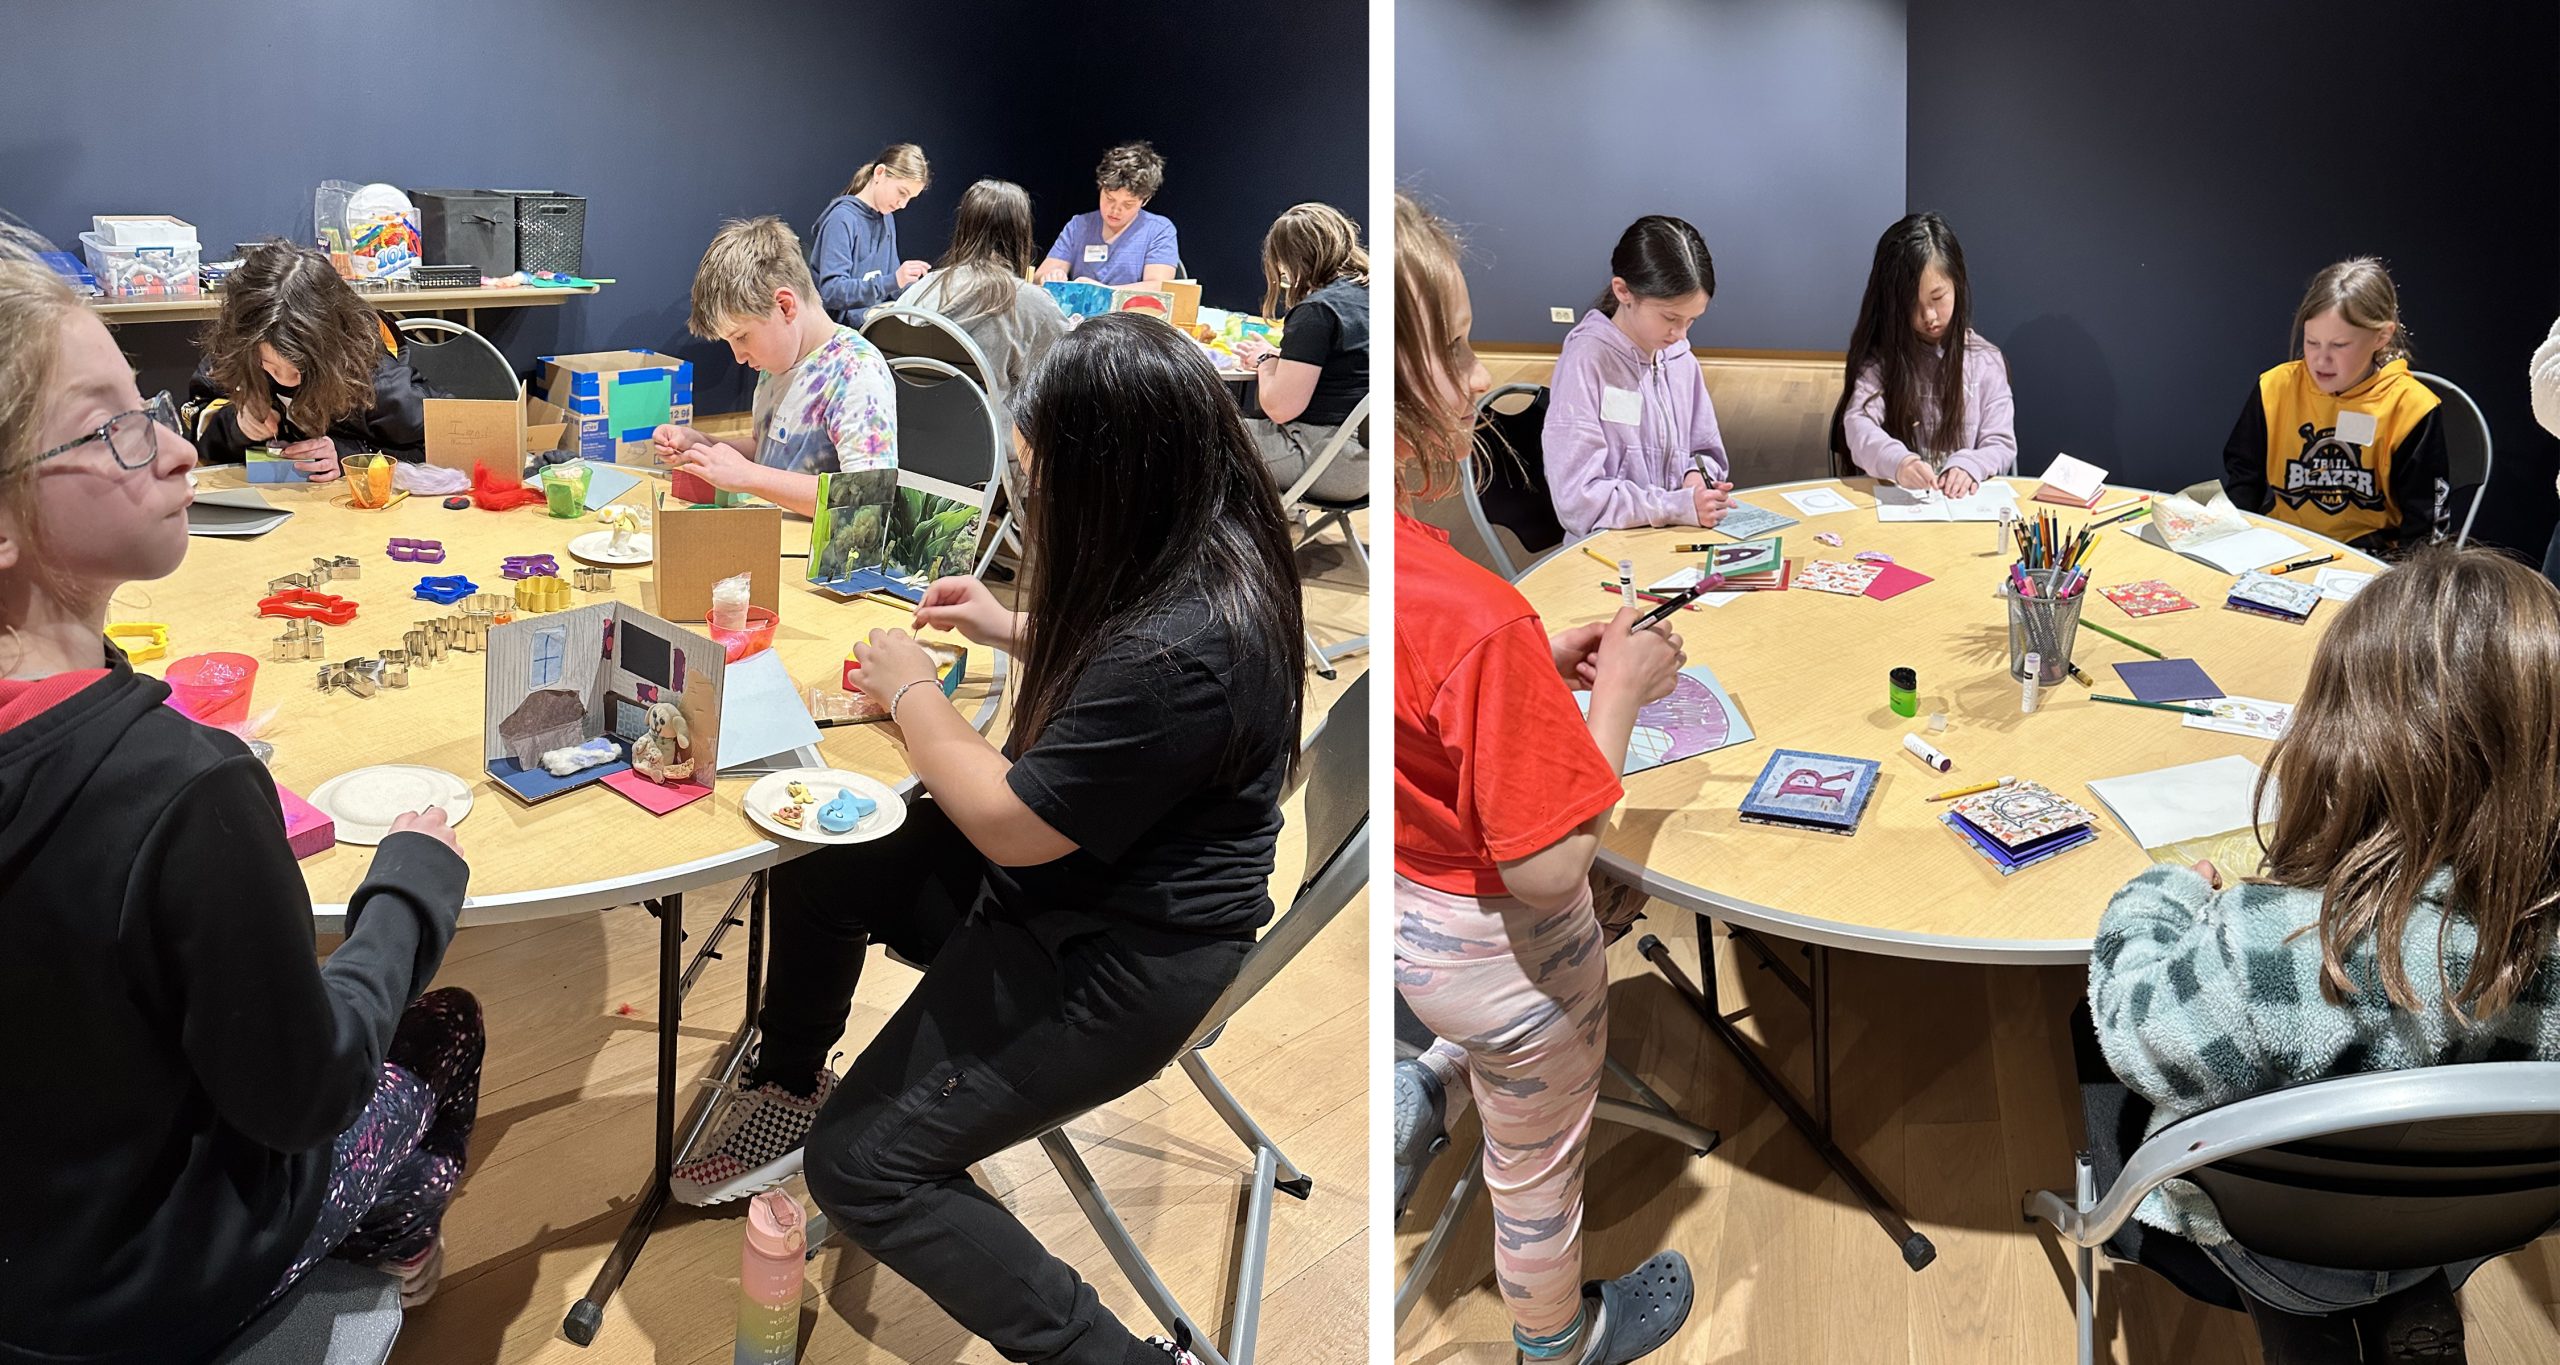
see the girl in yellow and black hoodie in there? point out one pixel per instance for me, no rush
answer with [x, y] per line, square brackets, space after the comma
[2344, 440]
[299, 362]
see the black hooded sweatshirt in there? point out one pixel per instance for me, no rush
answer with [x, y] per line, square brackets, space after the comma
[178, 1060]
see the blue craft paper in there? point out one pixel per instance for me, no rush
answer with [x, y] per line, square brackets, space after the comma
[2167, 680]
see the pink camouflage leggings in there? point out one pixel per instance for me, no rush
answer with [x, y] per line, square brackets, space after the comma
[1519, 999]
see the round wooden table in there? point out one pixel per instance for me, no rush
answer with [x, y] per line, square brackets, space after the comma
[585, 850]
[1808, 671]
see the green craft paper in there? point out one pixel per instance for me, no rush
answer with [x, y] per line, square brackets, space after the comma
[642, 407]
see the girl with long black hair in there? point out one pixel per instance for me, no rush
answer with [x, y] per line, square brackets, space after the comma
[1924, 400]
[1082, 895]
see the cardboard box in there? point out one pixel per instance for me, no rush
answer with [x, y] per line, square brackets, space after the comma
[1186, 301]
[615, 399]
[698, 546]
[464, 431]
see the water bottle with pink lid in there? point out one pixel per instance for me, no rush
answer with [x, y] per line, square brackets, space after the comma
[769, 1273]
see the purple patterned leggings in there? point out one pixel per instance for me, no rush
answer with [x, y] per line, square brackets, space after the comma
[393, 1170]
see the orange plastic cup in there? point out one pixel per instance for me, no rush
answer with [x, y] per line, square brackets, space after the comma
[213, 688]
[368, 479]
[756, 636]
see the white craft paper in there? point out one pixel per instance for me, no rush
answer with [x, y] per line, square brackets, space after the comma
[763, 721]
[2237, 553]
[1815, 502]
[2341, 585]
[2190, 801]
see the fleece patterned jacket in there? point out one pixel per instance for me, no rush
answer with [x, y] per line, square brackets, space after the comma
[2204, 997]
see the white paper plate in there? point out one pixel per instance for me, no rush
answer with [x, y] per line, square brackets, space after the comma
[593, 548]
[363, 803]
[771, 790]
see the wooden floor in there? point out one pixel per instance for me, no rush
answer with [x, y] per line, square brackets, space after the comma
[564, 1137]
[1953, 1088]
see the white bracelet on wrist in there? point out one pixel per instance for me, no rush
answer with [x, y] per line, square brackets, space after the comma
[901, 695]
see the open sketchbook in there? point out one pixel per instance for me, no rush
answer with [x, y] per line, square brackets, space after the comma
[2214, 533]
[234, 512]
[1897, 503]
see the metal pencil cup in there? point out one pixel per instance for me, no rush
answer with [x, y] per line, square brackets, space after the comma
[2043, 626]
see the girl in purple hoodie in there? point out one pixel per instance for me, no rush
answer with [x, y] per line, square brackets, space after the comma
[1890, 423]
[1631, 436]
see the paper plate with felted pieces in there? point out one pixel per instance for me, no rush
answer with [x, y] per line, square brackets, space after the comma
[363, 803]
[824, 806]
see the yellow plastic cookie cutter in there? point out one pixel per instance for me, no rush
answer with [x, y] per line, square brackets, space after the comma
[542, 593]
[141, 641]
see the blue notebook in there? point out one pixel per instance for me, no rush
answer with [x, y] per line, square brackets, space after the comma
[2009, 860]
[1801, 790]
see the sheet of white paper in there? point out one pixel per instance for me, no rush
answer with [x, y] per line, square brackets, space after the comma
[2254, 717]
[761, 713]
[1896, 503]
[2077, 479]
[1680, 581]
[2190, 801]
[1815, 502]
[2255, 548]
[2341, 585]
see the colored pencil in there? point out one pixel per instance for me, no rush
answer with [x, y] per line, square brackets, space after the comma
[2119, 639]
[1976, 787]
[1605, 562]
[2154, 705]
[2122, 516]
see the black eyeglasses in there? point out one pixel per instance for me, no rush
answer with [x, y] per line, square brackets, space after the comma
[130, 436]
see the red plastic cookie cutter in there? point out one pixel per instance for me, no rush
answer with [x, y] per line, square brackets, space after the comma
[304, 604]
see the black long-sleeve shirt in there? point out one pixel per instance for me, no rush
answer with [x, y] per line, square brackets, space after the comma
[179, 1061]
[394, 422]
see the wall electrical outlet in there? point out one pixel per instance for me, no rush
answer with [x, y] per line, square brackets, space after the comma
[1559, 315]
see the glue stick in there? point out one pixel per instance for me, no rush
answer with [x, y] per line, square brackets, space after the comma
[1922, 750]
[1626, 582]
[2027, 689]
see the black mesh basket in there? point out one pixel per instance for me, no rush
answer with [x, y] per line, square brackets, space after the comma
[551, 231]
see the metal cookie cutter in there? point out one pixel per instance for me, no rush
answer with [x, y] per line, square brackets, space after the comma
[295, 582]
[409, 551]
[335, 568]
[542, 593]
[361, 677]
[489, 608]
[395, 668]
[530, 566]
[301, 640]
[594, 580]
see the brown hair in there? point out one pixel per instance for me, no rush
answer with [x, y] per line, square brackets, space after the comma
[1132, 166]
[991, 240]
[747, 260]
[898, 158]
[1433, 418]
[2362, 293]
[291, 298]
[2429, 737]
[35, 305]
[1307, 248]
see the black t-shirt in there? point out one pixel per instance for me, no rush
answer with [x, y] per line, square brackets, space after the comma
[1165, 766]
[1330, 329]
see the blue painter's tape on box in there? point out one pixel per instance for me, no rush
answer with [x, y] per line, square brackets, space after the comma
[618, 399]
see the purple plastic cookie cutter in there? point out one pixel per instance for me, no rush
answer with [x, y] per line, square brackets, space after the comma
[409, 551]
[531, 566]
[447, 590]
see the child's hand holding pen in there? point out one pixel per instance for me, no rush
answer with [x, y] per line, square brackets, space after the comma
[1640, 663]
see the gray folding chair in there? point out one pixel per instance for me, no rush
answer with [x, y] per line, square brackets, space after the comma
[902, 330]
[2393, 1170]
[1334, 773]
[455, 361]
[340, 1313]
[2469, 457]
[1510, 459]
[1316, 514]
[949, 430]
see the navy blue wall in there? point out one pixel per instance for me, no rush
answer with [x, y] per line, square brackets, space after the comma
[1542, 128]
[670, 117]
[2143, 192]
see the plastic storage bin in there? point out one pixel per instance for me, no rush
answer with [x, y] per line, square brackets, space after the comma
[468, 227]
[551, 230]
[142, 272]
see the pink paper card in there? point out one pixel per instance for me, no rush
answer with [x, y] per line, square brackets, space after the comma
[307, 830]
[653, 797]
[1893, 580]
[2150, 597]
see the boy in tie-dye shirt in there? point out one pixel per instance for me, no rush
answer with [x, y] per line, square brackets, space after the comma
[824, 400]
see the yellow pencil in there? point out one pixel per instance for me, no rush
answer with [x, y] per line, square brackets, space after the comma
[1976, 787]
[1605, 562]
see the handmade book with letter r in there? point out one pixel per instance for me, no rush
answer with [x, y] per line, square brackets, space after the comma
[1822, 792]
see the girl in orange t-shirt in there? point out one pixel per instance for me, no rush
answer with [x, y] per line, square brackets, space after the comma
[1502, 791]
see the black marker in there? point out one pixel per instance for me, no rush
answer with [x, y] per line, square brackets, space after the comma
[1688, 595]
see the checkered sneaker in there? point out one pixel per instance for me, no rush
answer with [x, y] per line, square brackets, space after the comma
[756, 1144]
[1173, 1354]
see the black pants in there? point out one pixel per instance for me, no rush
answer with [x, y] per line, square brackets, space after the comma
[1017, 1026]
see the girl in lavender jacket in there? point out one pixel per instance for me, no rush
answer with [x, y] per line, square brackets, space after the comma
[1631, 436]
[1890, 423]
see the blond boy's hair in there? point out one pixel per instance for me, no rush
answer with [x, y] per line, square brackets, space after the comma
[746, 262]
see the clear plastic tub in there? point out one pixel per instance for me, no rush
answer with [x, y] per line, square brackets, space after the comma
[142, 272]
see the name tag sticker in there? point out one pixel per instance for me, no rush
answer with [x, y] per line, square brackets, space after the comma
[1622, 406]
[2355, 428]
[1099, 251]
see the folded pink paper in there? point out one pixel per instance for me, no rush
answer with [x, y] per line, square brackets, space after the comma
[1892, 580]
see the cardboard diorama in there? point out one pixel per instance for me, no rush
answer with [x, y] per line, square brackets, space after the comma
[698, 546]
[498, 432]
[613, 400]
[604, 693]
[892, 531]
